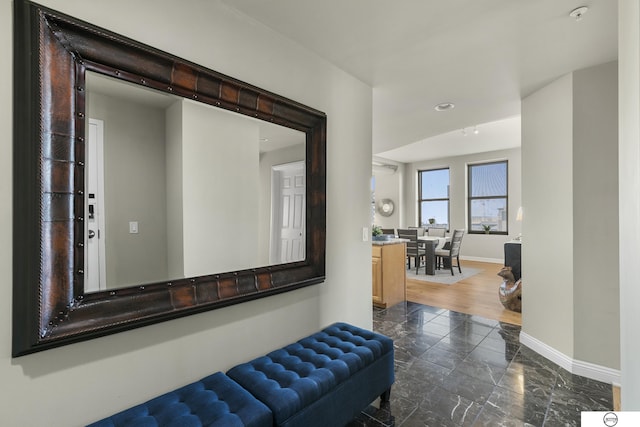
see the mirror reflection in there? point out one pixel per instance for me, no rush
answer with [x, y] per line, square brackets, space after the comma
[175, 188]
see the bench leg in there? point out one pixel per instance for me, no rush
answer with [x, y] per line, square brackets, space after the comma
[384, 397]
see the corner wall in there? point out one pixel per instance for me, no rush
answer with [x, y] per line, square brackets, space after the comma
[134, 184]
[595, 220]
[569, 192]
[629, 177]
[80, 383]
[547, 200]
[220, 193]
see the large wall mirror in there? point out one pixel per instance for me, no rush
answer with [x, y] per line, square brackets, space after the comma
[147, 187]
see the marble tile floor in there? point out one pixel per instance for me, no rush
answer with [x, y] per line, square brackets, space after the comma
[455, 369]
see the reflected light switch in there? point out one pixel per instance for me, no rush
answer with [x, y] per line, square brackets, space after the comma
[133, 227]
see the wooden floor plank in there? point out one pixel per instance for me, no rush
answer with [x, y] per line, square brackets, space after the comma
[617, 399]
[477, 294]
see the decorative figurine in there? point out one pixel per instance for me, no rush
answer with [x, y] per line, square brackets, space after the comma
[510, 291]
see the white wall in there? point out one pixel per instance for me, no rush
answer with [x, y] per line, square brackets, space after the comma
[135, 190]
[629, 178]
[547, 200]
[220, 190]
[390, 186]
[480, 247]
[79, 383]
[570, 254]
[175, 235]
[595, 206]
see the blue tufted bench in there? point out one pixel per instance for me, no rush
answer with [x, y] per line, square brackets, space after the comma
[323, 380]
[214, 401]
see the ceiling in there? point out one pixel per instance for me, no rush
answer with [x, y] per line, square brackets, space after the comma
[483, 56]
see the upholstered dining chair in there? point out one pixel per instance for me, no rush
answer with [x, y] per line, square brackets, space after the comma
[415, 248]
[452, 252]
[436, 232]
[419, 229]
[390, 231]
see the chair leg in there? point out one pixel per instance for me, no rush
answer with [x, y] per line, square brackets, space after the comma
[459, 269]
[451, 265]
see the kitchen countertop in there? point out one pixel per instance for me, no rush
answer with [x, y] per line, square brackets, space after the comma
[388, 242]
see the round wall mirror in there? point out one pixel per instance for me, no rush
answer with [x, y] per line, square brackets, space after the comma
[385, 207]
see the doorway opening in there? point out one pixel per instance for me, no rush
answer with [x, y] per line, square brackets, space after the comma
[288, 213]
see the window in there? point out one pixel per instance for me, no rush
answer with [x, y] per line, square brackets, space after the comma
[433, 198]
[487, 204]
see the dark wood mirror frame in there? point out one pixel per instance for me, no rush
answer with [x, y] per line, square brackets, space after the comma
[52, 51]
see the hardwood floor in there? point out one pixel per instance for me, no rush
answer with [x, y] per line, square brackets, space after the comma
[617, 404]
[477, 294]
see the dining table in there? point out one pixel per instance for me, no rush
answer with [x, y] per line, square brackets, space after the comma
[430, 244]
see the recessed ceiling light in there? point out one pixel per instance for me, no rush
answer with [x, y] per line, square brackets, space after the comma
[444, 106]
[578, 12]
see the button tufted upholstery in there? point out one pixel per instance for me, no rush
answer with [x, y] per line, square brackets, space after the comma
[323, 380]
[214, 401]
[290, 379]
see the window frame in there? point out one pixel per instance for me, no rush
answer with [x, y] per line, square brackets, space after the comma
[447, 199]
[471, 198]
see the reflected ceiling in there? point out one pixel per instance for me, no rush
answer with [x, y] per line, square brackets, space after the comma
[272, 137]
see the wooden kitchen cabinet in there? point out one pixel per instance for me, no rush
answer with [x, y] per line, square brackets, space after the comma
[389, 275]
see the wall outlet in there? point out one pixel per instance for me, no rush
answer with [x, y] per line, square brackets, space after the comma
[133, 227]
[365, 234]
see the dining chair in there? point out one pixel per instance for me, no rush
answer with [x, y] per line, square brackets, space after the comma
[390, 231]
[419, 229]
[436, 232]
[452, 252]
[415, 248]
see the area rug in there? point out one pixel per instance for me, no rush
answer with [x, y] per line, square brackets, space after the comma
[443, 276]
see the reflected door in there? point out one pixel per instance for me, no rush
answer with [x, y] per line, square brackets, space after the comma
[289, 198]
[95, 276]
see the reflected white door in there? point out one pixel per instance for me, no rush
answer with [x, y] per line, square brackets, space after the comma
[288, 208]
[95, 268]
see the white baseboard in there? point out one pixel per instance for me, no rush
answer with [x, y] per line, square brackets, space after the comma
[480, 259]
[577, 367]
[597, 372]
